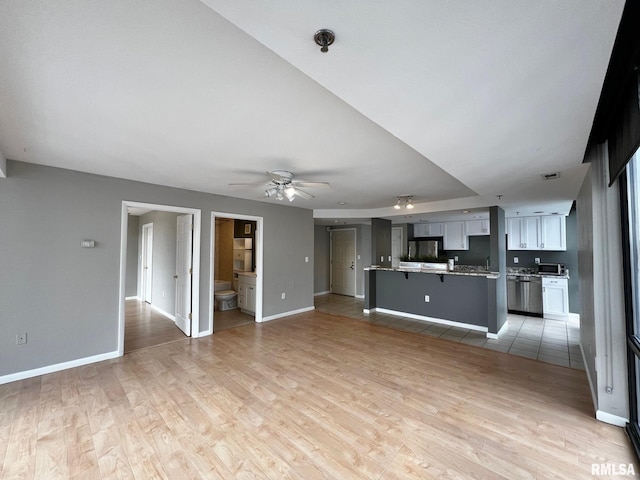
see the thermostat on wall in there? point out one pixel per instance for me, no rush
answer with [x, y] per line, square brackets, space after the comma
[87, 244]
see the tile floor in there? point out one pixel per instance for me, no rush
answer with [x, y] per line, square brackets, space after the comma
[550, 341]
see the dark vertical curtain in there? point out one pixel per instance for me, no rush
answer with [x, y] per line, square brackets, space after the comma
[624, 138]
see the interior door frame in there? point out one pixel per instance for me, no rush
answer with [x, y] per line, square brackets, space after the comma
[195, 294]
[147, 283]
[258, 252]
[355, 258]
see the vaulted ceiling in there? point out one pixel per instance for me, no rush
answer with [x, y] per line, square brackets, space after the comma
[461, 104]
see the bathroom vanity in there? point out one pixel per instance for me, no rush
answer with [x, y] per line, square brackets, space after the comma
[247, 292]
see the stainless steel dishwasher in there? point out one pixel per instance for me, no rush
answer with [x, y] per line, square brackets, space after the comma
[524, 294]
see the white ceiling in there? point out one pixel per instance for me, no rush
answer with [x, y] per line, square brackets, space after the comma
[454, 103]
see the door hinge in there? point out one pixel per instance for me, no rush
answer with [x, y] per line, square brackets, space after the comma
[189, 316]
[190, 271]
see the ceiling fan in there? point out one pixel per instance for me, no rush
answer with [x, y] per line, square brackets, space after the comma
[282, 185]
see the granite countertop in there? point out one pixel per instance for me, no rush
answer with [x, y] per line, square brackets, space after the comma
[530, 272]
[458, 270]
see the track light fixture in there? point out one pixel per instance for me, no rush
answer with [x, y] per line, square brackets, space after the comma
[408, 202]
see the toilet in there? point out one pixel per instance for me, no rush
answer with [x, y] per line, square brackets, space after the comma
[225, 298]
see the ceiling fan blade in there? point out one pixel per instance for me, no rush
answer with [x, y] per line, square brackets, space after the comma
[303, 194]
[312, 184]
[250, 184]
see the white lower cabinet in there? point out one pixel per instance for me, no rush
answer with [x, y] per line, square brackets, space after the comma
[247, 293]
[555, 298]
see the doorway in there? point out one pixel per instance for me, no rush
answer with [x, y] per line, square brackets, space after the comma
[343, 261]
[166, 305]
[236, 265]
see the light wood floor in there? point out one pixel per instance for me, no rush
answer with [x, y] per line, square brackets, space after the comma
[312, 396]
[144, 327]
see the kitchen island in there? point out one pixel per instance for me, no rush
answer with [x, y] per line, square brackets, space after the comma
[469, 299]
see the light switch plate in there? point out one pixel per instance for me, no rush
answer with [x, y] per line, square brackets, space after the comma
[515, 259]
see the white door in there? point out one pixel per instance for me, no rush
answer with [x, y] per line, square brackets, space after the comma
[343, 262]
[184, 246]
[147, 261]
[396, 246]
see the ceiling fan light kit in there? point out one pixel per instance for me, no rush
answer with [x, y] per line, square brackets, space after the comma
[282, 185]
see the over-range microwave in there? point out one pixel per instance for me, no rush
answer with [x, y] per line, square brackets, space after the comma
[552, 269]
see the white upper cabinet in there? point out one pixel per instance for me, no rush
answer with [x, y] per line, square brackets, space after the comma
[427, 230]
[537, 233]
[553, 232]
[477, 227]
[455, 236]
[522, 233]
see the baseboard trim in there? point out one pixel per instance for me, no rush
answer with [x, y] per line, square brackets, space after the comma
[359, 296]
[611, 419]
[574, 316]
[496, 336]
[135, 297]
[287, 314]
[428, 319]
[205, 333]
[166, 314]
[321, 293]
[36, 372]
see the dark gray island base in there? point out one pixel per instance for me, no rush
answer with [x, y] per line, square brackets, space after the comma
[465, 300]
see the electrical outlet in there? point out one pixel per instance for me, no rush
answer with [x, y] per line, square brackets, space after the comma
[21, 338]
[455, 258]
[515, 259]
[426, 298]
[382, 258]
[306, 259]
[537, 260]
[283, 295]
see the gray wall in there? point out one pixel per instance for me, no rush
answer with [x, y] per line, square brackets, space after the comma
[131, 287]
[163, 286]
[66, 297]
[602, 320]
[479, 250]
[321, 261]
